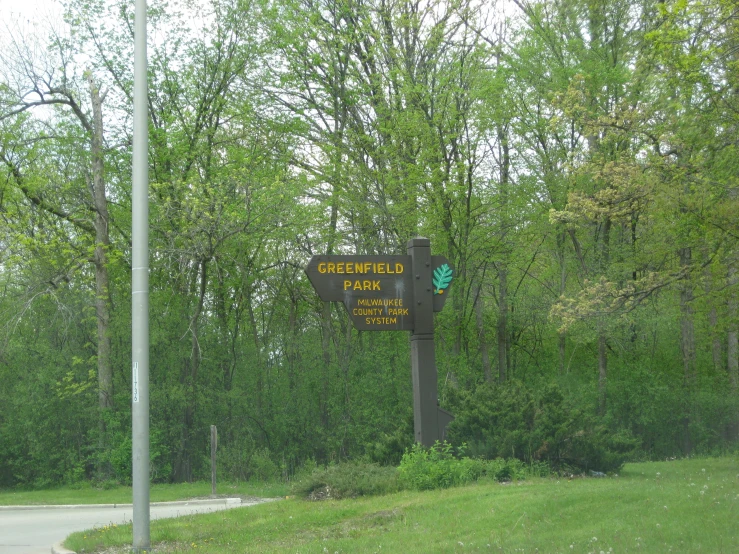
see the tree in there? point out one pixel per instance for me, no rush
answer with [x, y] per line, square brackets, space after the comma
[72, 134]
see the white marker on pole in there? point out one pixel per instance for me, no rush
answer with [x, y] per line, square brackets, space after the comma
[135, 382]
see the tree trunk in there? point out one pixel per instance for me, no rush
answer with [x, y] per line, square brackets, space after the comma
[602, 340]
[562, 336]
[102, 280]
[732, 344]
[292, 346]
[482, 338]
[502, 323]
[687, 345]
[505, 178]
[687, 330]
[602, 370]
[258, 352]
[183, 470]
[102, 243]
[717, 356]
[717, 350]
[325, 370]
[732, 336]
[326, 325]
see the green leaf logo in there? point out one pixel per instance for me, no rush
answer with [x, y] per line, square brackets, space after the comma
[442, 278]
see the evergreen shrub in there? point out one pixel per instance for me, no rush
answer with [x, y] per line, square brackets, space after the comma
[388, 449]
[512, 421]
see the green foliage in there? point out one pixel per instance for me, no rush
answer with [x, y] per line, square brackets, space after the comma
[389, 448]
[580, 176]
[115, 456]
[346, 480]
[261, 466]
[536, 425]
[420, 469]
[650, 508]
[438, 467]
[121, 458]
[654, 410]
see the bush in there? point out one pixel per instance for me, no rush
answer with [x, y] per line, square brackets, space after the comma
[537, 426]
[388, 449]
[510, 470]
[420, 469]
[346, 480]
[261, 466]
[437, 467]
[242, 460]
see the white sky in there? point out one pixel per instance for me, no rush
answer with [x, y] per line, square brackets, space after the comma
[28, 9]
[17, 15]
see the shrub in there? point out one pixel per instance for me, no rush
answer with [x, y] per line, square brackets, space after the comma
[437, 467]
[242, 460]
[420, 469]
[261, 466]
[510, 420]
[346, 480]
[508, 470]
[388, 449]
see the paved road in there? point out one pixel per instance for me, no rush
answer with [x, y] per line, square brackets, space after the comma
[33, 530]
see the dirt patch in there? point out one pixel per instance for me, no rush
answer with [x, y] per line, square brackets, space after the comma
[321, 493]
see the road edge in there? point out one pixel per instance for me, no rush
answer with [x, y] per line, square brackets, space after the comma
[59, 549]
[197, 502]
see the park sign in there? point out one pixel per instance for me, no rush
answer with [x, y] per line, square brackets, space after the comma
[395, 293]
[377, 291]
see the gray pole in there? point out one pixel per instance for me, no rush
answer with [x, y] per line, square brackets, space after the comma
[423, 358]
[140, 289]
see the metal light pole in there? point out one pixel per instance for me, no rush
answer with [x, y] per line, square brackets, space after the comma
[140, 289]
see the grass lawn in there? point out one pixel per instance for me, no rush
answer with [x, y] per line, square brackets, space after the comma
[87, 494]
[679, 506]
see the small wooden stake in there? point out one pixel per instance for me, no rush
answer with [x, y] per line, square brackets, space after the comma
[213, 447]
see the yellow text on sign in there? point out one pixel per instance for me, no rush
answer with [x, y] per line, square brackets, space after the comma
[379, 268]
[361, 285]
[381, 320]
[380, 311]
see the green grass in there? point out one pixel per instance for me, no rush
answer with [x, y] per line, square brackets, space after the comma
[88, 494]
[679, 506]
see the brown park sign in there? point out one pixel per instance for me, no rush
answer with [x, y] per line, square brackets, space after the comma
[377, 291]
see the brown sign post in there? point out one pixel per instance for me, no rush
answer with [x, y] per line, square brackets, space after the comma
[395, 293]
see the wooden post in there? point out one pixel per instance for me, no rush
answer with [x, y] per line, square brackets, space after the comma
[423, 359]
[213, 447]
